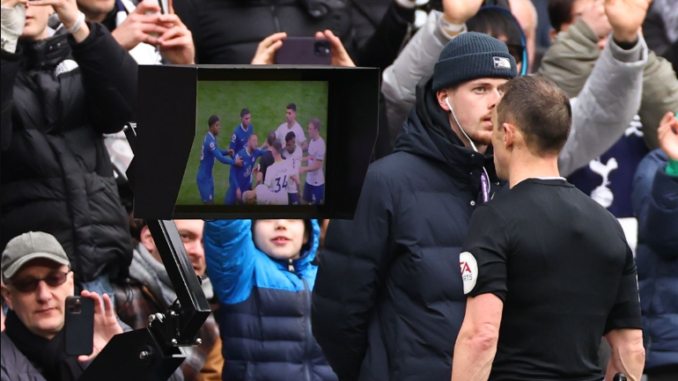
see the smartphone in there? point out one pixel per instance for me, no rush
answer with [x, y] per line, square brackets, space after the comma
[304, 51]
[163, 4]
[79, 325]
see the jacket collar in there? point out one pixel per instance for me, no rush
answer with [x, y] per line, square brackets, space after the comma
[47, 53]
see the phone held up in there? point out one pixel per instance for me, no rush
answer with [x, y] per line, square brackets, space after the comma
[79, 326]
[304, 51]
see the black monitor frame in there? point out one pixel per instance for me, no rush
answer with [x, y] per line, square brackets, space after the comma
[167, 101]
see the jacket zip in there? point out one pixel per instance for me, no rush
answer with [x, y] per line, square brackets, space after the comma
[307, 320]
[309, 334]
[276, 22]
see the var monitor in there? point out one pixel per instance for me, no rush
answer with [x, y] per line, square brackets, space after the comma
[252, 141]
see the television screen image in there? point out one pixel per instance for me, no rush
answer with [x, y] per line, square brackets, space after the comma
[257, 143]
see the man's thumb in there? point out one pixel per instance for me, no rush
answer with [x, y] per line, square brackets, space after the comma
[147, 7]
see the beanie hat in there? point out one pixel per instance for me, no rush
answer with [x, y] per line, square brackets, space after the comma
[470, 56]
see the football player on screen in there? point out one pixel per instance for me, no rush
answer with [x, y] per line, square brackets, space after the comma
[208, 152]
[314, 189]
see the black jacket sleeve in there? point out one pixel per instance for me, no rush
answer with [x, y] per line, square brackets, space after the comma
[110, 79]
[10, 68]
[352, 266]
[383, 47]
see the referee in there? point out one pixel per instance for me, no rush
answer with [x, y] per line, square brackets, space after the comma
[547, 270]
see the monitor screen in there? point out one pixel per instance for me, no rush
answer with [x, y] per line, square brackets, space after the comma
[252, 141]
[257, 143]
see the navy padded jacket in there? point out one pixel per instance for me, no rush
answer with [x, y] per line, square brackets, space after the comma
[655, 203]
[265, 307]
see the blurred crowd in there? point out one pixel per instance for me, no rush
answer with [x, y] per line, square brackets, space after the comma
[67, 225]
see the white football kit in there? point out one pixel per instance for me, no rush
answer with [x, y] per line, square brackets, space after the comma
[279, 177]
[282, 131]
[316, 151]
[295, 158]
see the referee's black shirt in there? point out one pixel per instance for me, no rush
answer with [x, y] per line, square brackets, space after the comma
[562, 267]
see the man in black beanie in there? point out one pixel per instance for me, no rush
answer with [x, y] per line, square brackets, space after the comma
[388, 300]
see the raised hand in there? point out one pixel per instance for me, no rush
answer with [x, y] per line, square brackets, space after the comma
[595, 17]
[668, 135]
[140, 27]
[459, 11]
[68, 13]
[105, 323]
[265, 54]
[626, 17]
[12, 3]
[340, 56]
[176, 44]
[67, 10]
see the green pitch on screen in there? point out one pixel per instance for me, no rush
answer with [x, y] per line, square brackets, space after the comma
[267, 102]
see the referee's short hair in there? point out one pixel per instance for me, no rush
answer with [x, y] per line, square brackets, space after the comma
[290, 135]
[212, 119]
[244, 112]
[277, 146]
[316, 123]
[270, 138]
[292, 107]
[540, 109]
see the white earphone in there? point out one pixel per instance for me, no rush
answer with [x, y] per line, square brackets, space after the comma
[447, 101]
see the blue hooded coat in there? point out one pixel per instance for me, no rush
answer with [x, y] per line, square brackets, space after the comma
[265, 306]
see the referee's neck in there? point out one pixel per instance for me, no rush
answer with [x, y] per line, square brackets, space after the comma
[529, 167]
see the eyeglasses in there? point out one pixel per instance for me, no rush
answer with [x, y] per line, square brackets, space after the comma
[29, 284]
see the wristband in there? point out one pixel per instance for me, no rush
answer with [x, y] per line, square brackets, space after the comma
[406, 4]
[672, 168]
[451, 29]
[78, 23]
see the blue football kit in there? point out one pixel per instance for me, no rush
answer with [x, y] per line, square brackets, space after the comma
[241, 177]
[240, 137]
[208, 152]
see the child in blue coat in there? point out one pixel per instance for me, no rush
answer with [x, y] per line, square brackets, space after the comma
[263, 275]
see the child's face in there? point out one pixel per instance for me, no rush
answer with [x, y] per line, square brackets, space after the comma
[280, 239]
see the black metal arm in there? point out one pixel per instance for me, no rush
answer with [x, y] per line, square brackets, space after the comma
[154, 353]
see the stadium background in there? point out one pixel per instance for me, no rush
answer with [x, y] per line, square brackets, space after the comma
[267, 102]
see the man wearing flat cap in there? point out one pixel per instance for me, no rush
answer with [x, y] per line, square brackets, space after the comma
[36, 280]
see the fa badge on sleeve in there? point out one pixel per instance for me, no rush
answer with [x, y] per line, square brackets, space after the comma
[469, 271]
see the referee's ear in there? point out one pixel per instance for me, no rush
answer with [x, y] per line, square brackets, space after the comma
[509, 135]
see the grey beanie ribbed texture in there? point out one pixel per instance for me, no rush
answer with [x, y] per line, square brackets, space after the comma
[471, 56]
